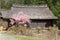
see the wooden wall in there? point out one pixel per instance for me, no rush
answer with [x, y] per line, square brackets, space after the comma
[41, 23]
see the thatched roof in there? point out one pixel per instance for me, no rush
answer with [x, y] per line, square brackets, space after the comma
[34, 12]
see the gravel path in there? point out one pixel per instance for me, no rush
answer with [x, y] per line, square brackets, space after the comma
[6, 37]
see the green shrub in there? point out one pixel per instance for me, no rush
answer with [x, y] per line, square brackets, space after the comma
[38, 29]
[20, 30]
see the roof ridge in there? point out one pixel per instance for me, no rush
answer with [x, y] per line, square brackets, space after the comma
[29, 5]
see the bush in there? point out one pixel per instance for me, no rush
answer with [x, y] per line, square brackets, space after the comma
[21, 30]
[38, 29]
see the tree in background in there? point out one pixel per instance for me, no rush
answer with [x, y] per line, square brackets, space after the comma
[37, 2]
[54, 5]
[27, 2]
[6, 4]
[2, 3]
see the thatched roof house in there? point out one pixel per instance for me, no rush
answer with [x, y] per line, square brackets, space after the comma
[38, 14]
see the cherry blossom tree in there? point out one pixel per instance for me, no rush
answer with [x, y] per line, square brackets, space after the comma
[19, 18]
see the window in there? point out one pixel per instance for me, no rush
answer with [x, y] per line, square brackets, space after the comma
[35, 24]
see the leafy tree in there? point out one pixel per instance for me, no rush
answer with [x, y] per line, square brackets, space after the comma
[21, 2]
[54, 5]
[8, 4]
[27, 2]
[37, 2]
[3, 4]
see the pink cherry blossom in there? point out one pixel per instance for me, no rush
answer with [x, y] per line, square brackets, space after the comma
[20, 18]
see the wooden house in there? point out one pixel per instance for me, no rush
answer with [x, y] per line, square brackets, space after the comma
[40, 15]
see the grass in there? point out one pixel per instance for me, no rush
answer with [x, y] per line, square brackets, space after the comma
[21, 37]
[26, 38]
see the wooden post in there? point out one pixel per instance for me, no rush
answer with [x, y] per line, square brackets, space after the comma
[56, 34]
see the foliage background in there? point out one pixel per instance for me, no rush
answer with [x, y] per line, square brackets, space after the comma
[54, 5]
